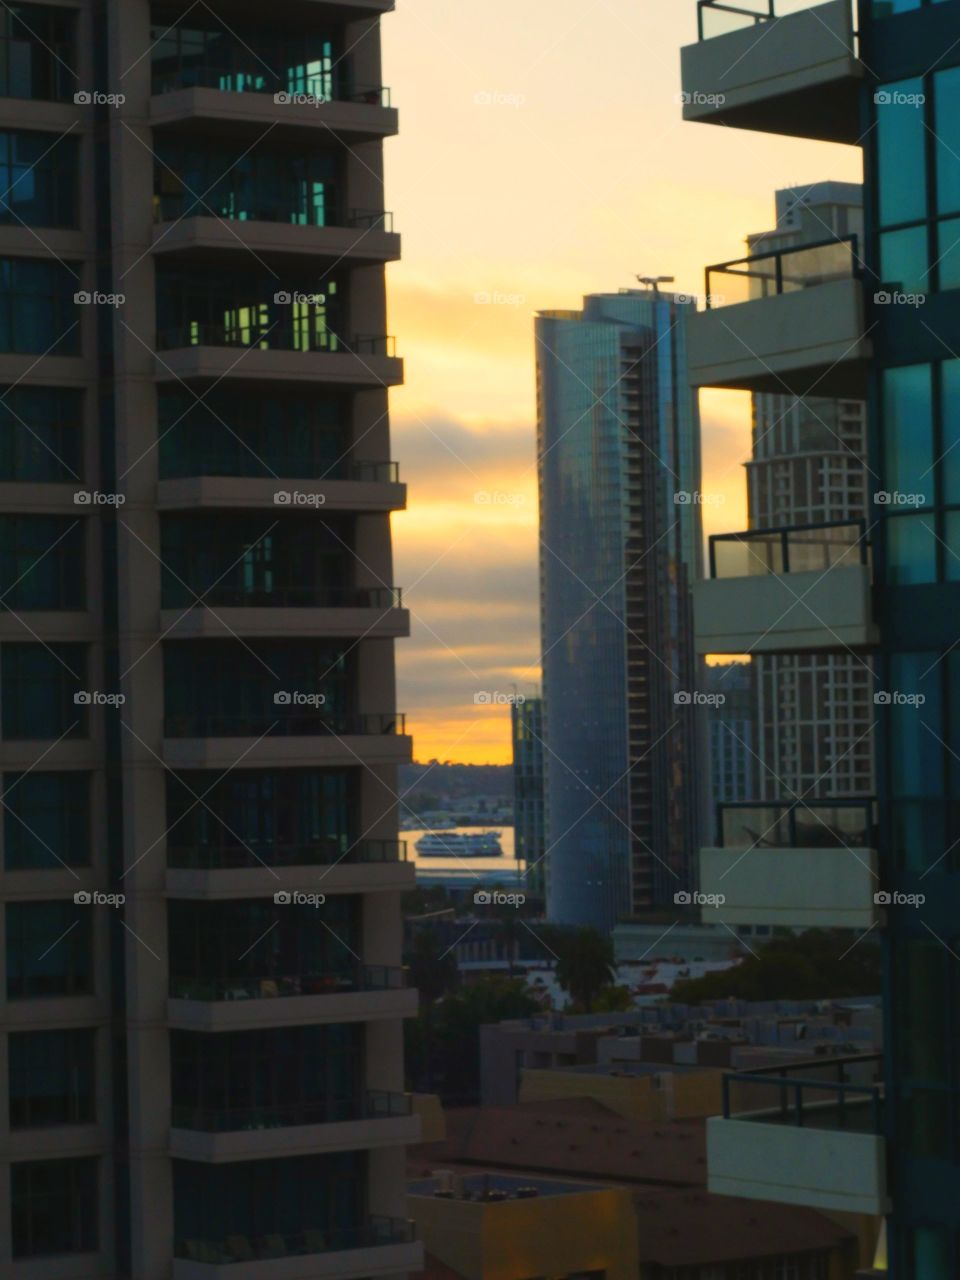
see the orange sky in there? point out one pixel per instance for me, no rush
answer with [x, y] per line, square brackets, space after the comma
[541, 156]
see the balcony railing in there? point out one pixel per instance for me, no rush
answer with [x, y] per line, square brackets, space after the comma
[801, 548]
[819, 824]
[804, 1097]
[320, 89]
[767, 275]
[291, 210]
[276, 724]
[261, 463]
[717, 17]
[272, 337]
[376, 1232]
[318, 597]
[254, 853]
[376, 1105]
[275, 986]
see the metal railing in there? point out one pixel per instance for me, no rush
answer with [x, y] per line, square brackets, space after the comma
[779, 271]
[371, 219]
[377, 1104]
[261, 463]
[841, 1104]
[718, 17]
[234, 207]
[274, 986]
[796, 548]
[323, 89]
[272, 336]
[318, 597]
[376, 1232]
[254, 853]
[275, 723]
[819, 824]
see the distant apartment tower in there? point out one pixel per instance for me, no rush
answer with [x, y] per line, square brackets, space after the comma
[529, 832]
[620, 533]
[731, 724]
[814, 711]
[202, 999]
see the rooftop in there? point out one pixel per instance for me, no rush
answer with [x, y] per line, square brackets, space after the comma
[491, 1186]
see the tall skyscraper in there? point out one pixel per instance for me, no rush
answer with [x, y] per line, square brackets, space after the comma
[202, 998]
[620, 545]
[731, 748]
[529, 818]
[874, 319]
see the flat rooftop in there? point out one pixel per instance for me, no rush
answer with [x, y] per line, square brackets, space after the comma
[477, 1186]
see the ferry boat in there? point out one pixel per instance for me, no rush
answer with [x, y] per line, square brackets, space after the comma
[456, 844]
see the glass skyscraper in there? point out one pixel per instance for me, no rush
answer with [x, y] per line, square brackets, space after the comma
[620, 544]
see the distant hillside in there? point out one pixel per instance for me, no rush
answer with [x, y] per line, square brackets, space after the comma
[449, 786]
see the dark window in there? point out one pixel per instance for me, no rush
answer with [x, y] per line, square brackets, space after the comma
[305, 1203]
[41, 434]
[251, 947]
[38, 315]
[243, 309]
[54, 1207]
[240, 1080]
[37, 52]
[282, 816]
[187, 55]
[38, 687]
[42, 562]
[254, 433]
[224, 690]
[38, 179]
[51, 1078]
[49, 949]
[46, 820]
[250, 560]
[262, 186]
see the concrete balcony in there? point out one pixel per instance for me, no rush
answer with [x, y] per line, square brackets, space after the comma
[201, 109]
[371, 994]
[383, 1248]
[802, 1138]
[370, 487]
[787, 322]
[793, 73]
[213, 622]
[248, 878]
[383, 1120]
[799, 589]
[49, 625]
[207, 744]
[362, 242]
[796, 866]
[359, 361]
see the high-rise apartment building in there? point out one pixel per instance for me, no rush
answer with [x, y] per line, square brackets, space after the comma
[529, 828]
[620, 547]
[874, 319]
[202, 996]
[731, 737]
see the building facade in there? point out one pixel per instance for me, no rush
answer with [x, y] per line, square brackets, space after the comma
[620, 545]
[529, 829]
[877, 320]
[202, 998]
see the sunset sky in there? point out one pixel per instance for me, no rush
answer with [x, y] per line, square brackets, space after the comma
[541, 156]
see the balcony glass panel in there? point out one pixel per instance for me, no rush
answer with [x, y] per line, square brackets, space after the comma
[765, 275]
[792, 549]
[785, 825]
[250, 948]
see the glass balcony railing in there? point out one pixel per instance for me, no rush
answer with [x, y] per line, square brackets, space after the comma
[271, 337]
[292, 208]
[254, 853]
[838, 1094]
[277, 722]
[819, 824]
[295, 597]
[376, 1232]
[801, 548]
[767, 275]
[272, 986]
[181, 458]
[324, 87]
[376, 1105]
[717, 17]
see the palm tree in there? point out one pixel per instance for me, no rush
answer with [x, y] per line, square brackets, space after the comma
[584, 965]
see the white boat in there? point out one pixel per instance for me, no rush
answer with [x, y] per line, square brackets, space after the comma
[456, 844]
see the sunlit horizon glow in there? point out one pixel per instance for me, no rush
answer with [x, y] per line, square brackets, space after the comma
[541, 157]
